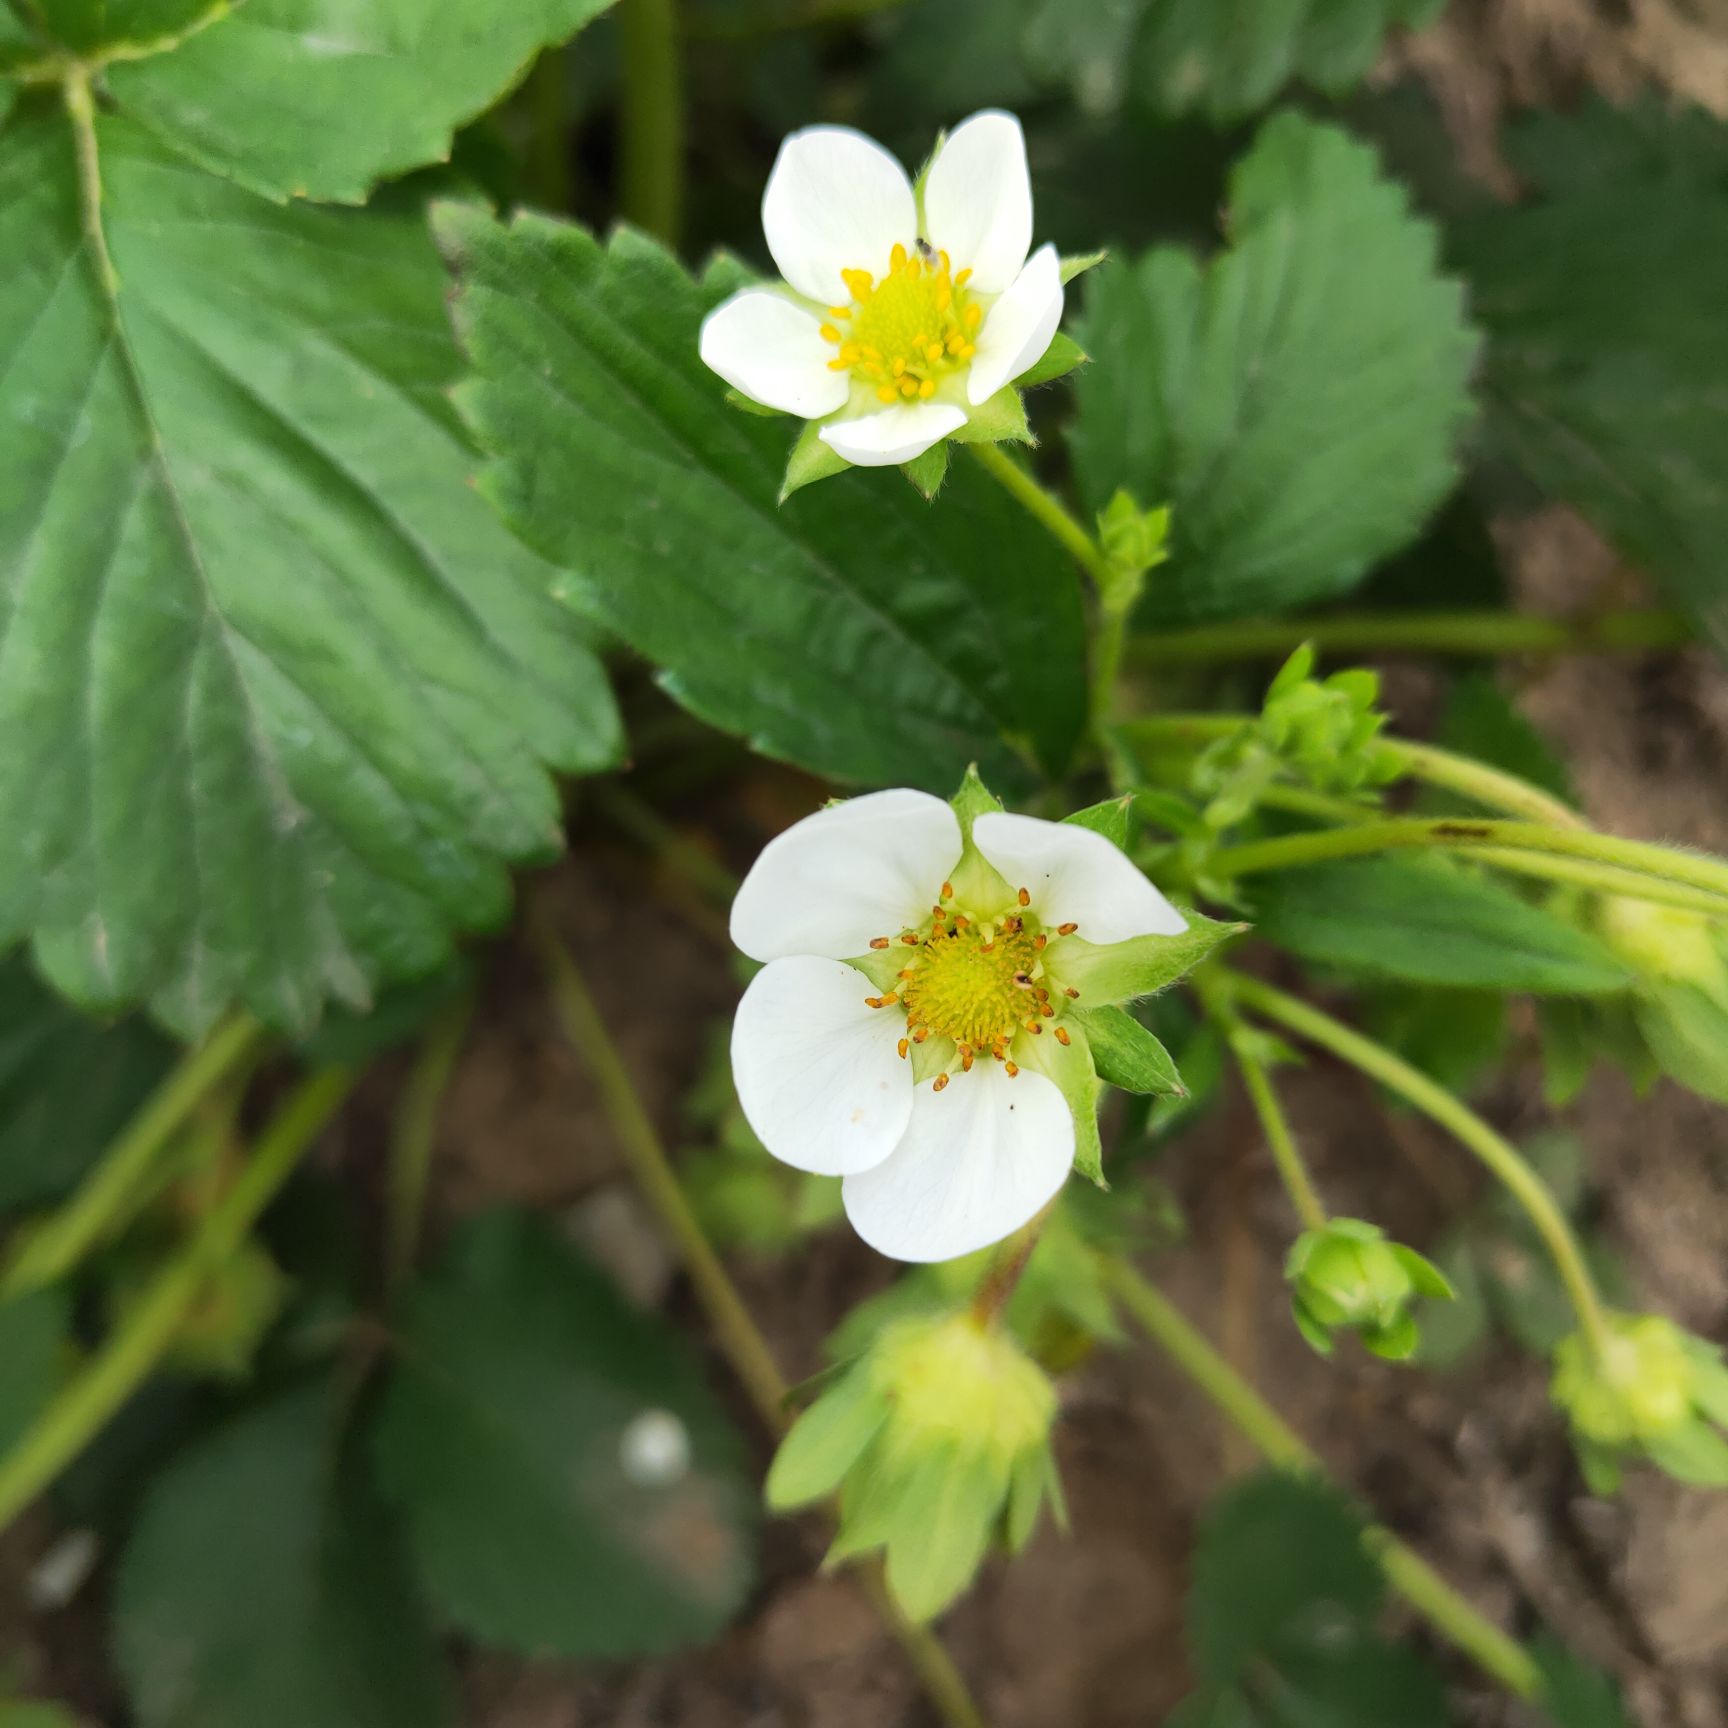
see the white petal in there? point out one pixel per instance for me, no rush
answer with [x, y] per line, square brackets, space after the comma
[1018, 328]
[835, 201]
[892, 435]
[817, 1072]
[772, 350]
[1076, 875]
[977, 1162]
[978, 199]
[866, 868]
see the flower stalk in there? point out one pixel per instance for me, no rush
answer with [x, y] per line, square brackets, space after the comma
[125, 1360]
[412, 1140]
[1435, 1102]
[740, 1339]
[651, 141]
[56, 1246]
[1499, 1656]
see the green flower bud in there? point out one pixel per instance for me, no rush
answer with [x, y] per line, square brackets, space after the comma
[1653, 1392]
[1665, 944]
[938, 1440]
[1349, 1277]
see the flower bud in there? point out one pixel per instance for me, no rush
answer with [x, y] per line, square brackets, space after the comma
[1665, 944]
[1651, 1391]
[938, 1440]
[1349, 1277]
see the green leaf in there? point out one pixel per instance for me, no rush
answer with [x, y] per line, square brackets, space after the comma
[1694, 1453]
[67, 1086]
[26, 1713]
[1195, 56]
[854, 629]
[35, 1336]
[1141, 966]
[279, 695]
[293, 98]
[1687, 1031]
[1282, 1619]
[1125, 1054]
[265, 1584]
[1575, 1695]
[1295, 401]
[511, 1440]
[94, 28]
[1427, 921]
[1607, 358]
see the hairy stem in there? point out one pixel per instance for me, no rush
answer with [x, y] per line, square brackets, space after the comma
[412, 1138]
[1414, 1579]
[739, 1337]
[1434, 1101]
[1002, 1275]
[651, 137]
[57, 1245]
[1051, 514]
[1398, 833]
[125, 1359]
[1468, 633]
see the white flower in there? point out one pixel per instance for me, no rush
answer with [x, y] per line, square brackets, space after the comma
[910, 1031]
[903, 308]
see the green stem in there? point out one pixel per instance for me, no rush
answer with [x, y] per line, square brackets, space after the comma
[1469, 633]
[655, 834]
[1434, 1101]
[413, 1136]
[1005, 1267]
[1274, 1124]
[547, 167]
[78, 1413]
[1414, 1579]
[1454, 834]
[740, 1340]
[651, 140]
[1046, 509]
[58, 1244]
[1487, 786]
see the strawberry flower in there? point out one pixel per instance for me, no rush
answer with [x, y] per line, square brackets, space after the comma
[904, 309]
[920, 1027]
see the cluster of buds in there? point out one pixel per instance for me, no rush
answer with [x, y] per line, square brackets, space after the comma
[1647, 1390]
[937, 1440]
[1348, 1277]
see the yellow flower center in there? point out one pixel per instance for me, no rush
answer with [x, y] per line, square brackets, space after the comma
[907, 332]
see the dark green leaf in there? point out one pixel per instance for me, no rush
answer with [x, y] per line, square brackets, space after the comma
[1577, 1695]
[854, 629]
[1296, 400]
[1455, 1036]
[1607, 365]
[32, 29]
[67, 1086]
[35, 1335]
[295, 99]
[265, 1585]
[1125, 1054]
[1225, 62]
[279, 694]
[509, 1439]
[1427, 921]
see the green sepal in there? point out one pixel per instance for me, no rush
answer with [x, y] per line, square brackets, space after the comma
[1070, 1067]
[825, 1442]
[972, 800]
[928, 471]
[1686, 1028]
[1080, 263]
[1112, 819]
[977, 883]
[1126, 1055]
[1317, 1336]
[1709, 1382]
[940, 1530]
[811, 460]
[1025, 1497]
[1427, 1278]
[1141, 966]
[1598, 1465]
[1064, 355]
[1002, 419]
[1172, 811]
[1394, 1342]
[1694, 1452]
[749, 405]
